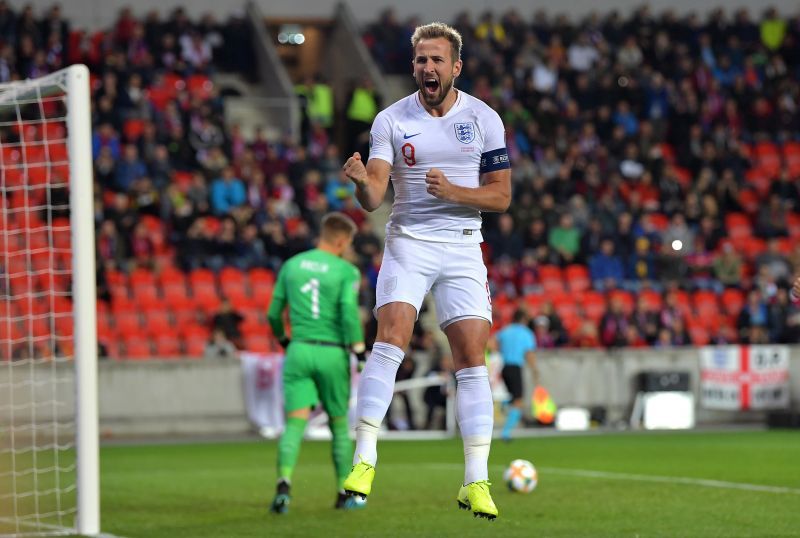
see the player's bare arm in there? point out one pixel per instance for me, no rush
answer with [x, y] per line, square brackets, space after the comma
[493, 194]
[371, 180]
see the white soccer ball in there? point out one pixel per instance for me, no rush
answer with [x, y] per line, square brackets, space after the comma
[521, 476]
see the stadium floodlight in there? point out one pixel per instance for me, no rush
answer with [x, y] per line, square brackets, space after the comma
[49, 472]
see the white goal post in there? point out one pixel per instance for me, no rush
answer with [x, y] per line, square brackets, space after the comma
[49, 454]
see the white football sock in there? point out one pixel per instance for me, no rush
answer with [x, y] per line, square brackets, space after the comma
[475, 413]
[375, 390]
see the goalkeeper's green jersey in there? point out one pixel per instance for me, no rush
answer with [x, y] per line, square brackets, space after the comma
[321, 290]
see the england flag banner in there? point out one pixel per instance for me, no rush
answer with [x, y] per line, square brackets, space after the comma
[740, 378]
[263, 391]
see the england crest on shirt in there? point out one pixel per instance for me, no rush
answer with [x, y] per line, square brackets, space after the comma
[465, 132]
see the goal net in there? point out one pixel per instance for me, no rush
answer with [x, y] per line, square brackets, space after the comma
[48, 356]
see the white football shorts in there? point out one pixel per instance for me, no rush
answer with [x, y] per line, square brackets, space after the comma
[454, 272]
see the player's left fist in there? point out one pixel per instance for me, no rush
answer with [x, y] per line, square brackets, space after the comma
[438, 184]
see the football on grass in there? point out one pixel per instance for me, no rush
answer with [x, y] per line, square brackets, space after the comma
[520, 476]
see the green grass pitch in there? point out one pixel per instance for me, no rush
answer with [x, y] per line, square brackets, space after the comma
[649, 484]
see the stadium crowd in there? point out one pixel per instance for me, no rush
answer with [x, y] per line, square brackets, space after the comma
[656, 161]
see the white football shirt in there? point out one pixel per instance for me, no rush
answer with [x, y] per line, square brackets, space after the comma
[406, 136]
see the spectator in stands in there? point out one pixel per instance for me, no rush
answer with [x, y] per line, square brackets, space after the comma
[613, 325]
[363, 104]
[753, 319]
[556, 333]
[778, 312]
[110, 245]
[728, 267]
[337, 190]
[506, 241]
[605, 267]
[196, 52]
[775, 263]
[228, 321]
[227, 193]
[586, 336]
[641, 268]
[435, 397]
[646, 321]
[219, 347]
[772, 219]
[565, 239]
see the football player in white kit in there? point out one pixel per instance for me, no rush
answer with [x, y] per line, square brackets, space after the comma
[445, 153]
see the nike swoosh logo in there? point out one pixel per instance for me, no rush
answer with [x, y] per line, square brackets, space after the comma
[407, 136]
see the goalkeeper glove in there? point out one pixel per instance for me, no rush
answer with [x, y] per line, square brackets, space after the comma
[360, 352]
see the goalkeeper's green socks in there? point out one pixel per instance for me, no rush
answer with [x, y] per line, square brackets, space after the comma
[289, 446]
[341, 449]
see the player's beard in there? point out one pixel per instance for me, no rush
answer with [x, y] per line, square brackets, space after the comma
[435, 99]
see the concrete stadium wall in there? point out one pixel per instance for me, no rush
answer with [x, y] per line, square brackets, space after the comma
[205, 397]
[94, 14]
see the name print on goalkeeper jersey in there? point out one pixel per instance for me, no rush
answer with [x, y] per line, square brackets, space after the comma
[321, 290]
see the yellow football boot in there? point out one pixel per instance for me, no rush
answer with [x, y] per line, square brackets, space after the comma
[475, 496]
[359, 481]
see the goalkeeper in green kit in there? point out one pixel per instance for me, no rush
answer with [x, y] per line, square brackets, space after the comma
[321, 291]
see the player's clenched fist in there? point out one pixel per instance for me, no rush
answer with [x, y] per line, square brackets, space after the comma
[796, 290]
[438, 184]
[355, 170]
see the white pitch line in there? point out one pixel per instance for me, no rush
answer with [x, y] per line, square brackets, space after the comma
[685, 480]
[705, 482]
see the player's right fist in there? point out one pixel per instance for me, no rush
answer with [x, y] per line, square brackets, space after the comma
[355, 170]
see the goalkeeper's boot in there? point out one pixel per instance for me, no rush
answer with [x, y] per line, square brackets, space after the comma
[349, 502]
[475, 496]
[359, 481]
[280, 504]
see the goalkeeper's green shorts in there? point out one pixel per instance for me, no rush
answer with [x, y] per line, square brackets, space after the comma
[315, 373]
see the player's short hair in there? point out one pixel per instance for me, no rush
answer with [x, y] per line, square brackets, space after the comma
[336, 224]
[435, 30]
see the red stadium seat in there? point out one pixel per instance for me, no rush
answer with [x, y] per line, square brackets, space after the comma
[738, 225]
[652, 299]
[705, 303]
[533, 303]
[565, 304]
[551, 278]
[258, 344]
[577, 277]
[167, 345]
[127, 323]
[194, 348]
[699, 335]
[137, 347]
[594, 305]
[625, 298]
[793, 222]
[157, 320]
[732, 301]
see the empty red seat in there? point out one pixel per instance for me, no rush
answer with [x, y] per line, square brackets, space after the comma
[625, 298]
[258, 344]
[652, 299]
[137, 347]
[533, 303]
[732, 301]
[594, 305]
[127, 323]
[577, 277]
[167, 345]
[699, 335]
[705, 303]
[157, 320]
[738, 225]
